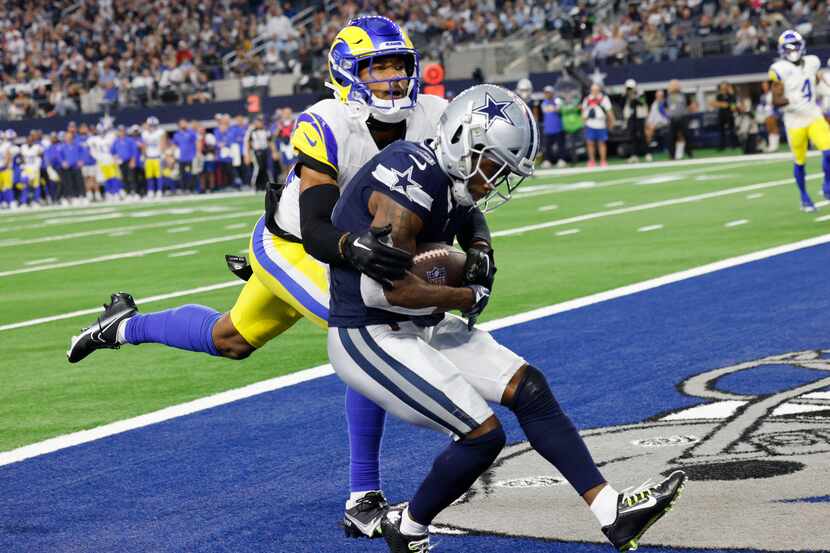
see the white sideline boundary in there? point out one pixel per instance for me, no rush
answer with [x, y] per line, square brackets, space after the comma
[781, 156]
[85, 436]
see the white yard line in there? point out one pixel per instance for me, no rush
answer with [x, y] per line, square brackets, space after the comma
[737, 223]
[183, 254]
[649, 228]
[548, 207]
[41, 261]
[543, 189]
[783, 156]
[644, 207]
[755, 196]
[178, 229]
[110, 231]
[567, 232]
[136, 253]
[223, 398]
[236, 225]
[144, 301]
[822, 218]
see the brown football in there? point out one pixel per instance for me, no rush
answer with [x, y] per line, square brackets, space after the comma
[438, 263]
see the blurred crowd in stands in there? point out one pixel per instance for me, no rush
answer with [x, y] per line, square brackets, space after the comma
[56, 55]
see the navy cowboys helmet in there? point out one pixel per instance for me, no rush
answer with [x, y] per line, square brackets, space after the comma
[487, 121]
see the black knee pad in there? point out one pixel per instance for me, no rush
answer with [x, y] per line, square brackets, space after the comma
[533, 395]
[488, 445]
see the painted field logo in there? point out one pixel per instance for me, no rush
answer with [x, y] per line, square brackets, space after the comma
[759, 466]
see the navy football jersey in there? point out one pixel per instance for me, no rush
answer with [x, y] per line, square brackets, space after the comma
[407, 172]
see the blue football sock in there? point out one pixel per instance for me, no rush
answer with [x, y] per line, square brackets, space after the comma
[551, 432]
[453, 472]
[800, 173]
[825, 165]
[365, 420]
[8, 196]
[24, 196]
[188, 327]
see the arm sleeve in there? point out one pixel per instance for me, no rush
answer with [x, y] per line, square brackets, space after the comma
[315, 144]
[474, 229]
[320, 237]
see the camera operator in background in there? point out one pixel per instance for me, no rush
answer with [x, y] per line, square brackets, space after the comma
[727, 105]
[599, 117]
[677, 112]
[635, 111]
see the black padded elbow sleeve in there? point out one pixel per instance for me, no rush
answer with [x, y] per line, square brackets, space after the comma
[320, 237]
[474, 229]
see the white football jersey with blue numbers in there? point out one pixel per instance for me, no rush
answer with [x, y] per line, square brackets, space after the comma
[800, 89]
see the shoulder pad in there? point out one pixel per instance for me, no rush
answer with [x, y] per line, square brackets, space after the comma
[313, 137]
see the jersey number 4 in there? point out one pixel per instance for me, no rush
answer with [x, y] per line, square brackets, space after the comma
[807, 90]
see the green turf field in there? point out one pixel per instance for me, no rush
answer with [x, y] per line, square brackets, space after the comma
[562, 237]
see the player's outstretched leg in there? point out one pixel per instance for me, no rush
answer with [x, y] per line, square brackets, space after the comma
[825, 165]
[623, 518]
[367, 504]
[800, 175]
[189, 327]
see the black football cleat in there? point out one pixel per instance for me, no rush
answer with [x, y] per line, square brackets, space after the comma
[363, 520]
[637, 511]
[399, 542]
[103, 332]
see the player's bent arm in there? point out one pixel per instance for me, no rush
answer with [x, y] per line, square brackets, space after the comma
[318, 194]
[415, 296]
[410, 292]
[778, 98]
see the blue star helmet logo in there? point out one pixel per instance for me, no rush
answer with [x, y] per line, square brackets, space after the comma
[494, 110]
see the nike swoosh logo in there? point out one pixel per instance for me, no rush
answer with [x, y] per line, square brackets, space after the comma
[420, 165]
[645, 505]
[361, 246]
[310, 141]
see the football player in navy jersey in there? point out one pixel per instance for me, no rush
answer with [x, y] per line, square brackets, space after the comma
[396, 345]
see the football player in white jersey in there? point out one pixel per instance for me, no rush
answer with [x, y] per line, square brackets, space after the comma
[6, 179]
[153, 143]
[374, 73]
[100, 146]
[32, 153]
[795, 79]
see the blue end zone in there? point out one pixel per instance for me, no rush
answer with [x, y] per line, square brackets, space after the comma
[270, 473]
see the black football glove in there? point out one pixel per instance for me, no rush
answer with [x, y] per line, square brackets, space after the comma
[481, 296]
[480, 267]
[369, 253]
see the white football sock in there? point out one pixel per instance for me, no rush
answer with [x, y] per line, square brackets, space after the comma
[604, 505]
[680, 150]
[355, 496]
[774, 141]
[410, 527]
[120, 335]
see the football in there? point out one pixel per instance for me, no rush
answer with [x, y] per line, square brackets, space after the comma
[440, 264]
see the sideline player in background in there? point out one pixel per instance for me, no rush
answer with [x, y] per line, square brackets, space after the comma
[795, 78]
[374, 72]
[399, 348]
[153, 144]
